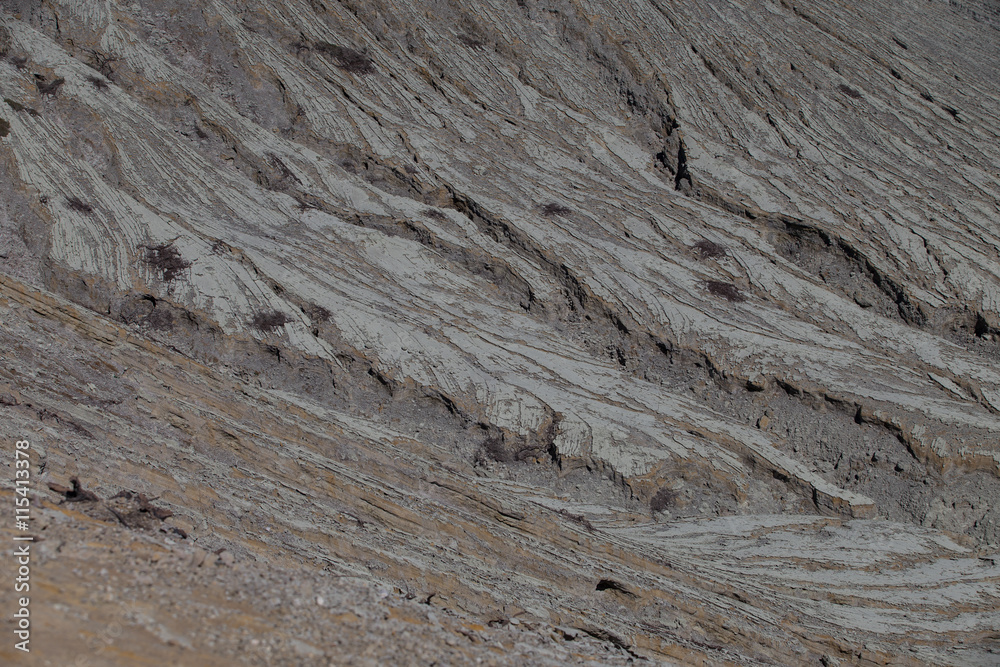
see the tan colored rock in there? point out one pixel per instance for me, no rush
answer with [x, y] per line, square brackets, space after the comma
[198, 557]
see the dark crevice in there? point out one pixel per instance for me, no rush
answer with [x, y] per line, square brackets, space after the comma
[612, 585]
[832, 259]
[682, 180]
[504, 446]
[842, 267]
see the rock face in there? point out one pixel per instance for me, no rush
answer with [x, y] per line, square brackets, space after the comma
[675, 327]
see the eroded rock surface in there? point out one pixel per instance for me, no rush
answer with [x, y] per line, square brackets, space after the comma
[634, 318]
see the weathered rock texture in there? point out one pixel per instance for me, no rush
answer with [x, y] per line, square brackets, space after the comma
[635, 318]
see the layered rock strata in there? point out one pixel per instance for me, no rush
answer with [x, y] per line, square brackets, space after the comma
[619, 315]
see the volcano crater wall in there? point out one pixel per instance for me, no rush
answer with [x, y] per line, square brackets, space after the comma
[585, 277]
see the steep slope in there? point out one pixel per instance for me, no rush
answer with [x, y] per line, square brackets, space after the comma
[560, 270]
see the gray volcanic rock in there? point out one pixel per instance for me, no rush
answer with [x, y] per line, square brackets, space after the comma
[676, 325]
